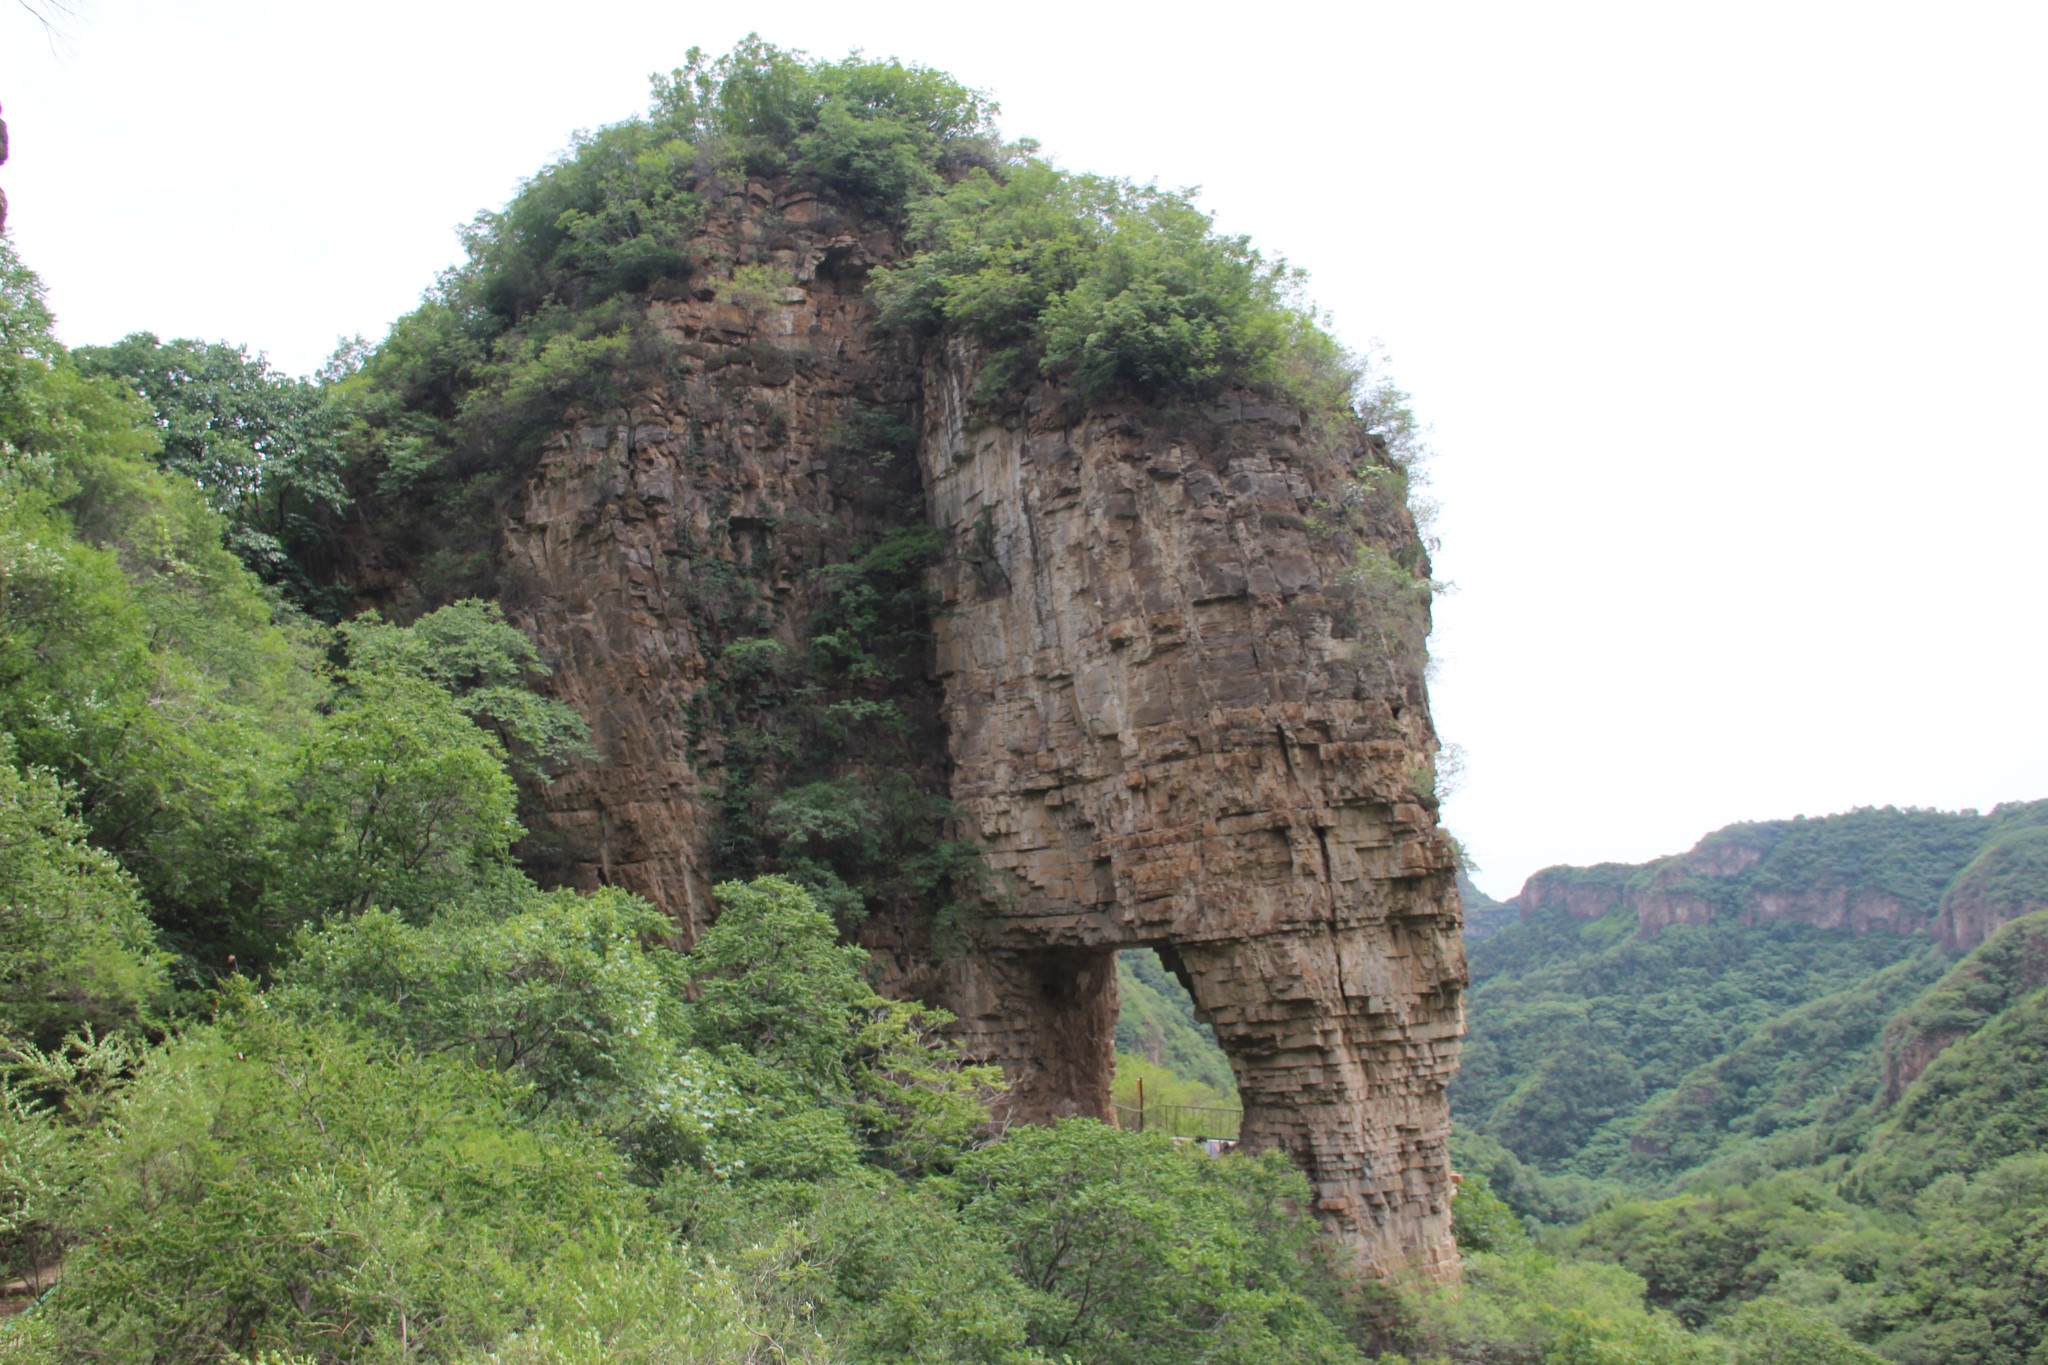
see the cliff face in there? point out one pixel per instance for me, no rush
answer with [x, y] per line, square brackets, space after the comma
[1872, 871]
[1162, 707]
[2011, 963]
[1169, 727]
[2005, 881]
[647, 541]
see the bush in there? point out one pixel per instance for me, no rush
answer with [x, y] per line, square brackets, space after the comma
[1767, 1332]
[270, 1184]
[397, 799]
[1111, 284]
[76, 949]
[1133, 1248]
[789, 1009]
[1481, 1221]
[1526, 1308]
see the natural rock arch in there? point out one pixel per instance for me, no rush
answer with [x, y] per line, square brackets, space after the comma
[1175, 712]
[1165, 731]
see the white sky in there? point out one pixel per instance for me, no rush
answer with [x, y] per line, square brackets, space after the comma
[1731, 319]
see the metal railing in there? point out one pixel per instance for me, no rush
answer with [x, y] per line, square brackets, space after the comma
[1180, 1120]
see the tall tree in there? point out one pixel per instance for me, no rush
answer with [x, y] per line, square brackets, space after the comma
[260, 444]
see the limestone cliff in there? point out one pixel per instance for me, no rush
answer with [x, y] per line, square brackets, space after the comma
[1162, 704]
[1883, 871]
[2011, 963]
[1168, 727]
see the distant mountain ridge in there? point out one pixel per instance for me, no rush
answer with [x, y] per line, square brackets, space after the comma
[1954, 876]
[1484, 916]
[1639, 1025]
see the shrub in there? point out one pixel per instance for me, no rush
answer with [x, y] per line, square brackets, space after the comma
[270, 1184]
[76, 949]
[1132, 1248]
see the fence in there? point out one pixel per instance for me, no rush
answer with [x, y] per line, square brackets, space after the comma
[1180, 1120]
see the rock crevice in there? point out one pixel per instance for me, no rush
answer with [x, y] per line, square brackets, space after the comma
[1161, 703]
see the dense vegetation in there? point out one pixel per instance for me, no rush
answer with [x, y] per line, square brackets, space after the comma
[1572, 1048]
[299, 1063]
[1600, 1052]
[1779, 1125]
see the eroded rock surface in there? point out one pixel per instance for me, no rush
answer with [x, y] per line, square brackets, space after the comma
[1169, 725]
[1161, 702]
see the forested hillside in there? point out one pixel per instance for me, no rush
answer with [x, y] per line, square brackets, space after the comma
[1484, 916]
[300, 1061]
[1764, 1115]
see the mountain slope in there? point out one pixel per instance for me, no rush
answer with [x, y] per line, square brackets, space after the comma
[1642, 1023]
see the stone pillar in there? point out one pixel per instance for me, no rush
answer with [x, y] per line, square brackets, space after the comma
[1048, 1018]
[1342, 1064]
[1179, 715]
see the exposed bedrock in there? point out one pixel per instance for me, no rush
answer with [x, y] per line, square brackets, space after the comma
[1163, 702]
[1170, 725]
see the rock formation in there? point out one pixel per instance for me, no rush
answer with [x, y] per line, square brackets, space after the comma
[1162, 703]
[1876, 871]
[1168, 729]
[2009, 964]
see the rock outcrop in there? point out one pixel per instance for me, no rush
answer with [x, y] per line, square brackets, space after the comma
[2007, 879]
[1162, 705]
[1867, 872]
[1168, 726]
[2010, 964]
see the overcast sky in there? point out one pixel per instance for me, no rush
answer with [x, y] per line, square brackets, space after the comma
[1731, 320]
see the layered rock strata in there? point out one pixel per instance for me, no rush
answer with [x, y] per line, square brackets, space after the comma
[1169, 727]
[1707, 882]
[1160, 698]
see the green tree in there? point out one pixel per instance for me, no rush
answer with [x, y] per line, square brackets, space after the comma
[1767, 1332]
[487, 665]
[269, 1184]
[1134, 1249]
[262, 446]
[139, 661]
[1526, 1308]
[791, 1012]
[76, 949]
[575, 995]
[396, 799]
[1481, 1221]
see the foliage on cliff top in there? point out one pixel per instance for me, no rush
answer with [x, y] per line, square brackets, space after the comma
[1101, 282]
[1108, 283]
[618, 212]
